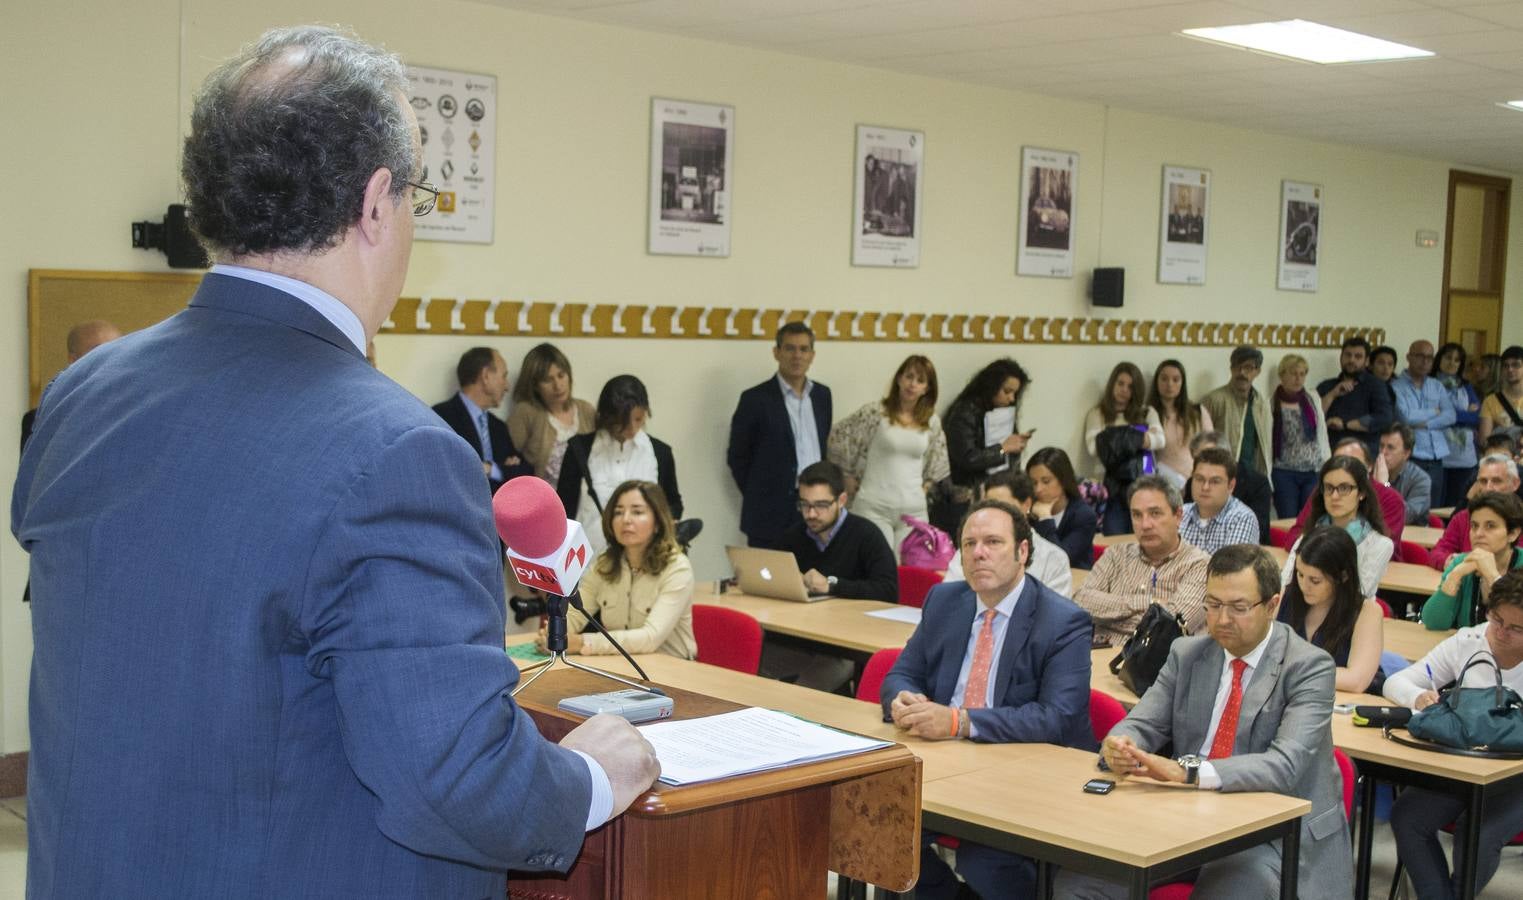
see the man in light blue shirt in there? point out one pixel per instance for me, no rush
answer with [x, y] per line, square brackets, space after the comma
[1428, 407]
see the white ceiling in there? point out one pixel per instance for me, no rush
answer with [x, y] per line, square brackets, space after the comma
[1126, 53]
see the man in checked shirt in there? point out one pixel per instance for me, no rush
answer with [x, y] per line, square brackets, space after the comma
[1160, 567]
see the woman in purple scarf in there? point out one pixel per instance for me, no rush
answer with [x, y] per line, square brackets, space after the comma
[1300, 438]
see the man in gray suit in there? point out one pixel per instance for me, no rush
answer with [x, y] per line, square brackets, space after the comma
[1248, 709]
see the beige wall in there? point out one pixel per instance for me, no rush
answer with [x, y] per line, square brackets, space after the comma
[97, 126]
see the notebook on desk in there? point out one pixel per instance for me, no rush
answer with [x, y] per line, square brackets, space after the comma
[770, 573]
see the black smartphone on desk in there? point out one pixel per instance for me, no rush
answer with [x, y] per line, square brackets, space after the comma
[1099, 786]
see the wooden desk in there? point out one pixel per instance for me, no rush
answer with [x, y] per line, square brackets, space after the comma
[771, 833]
[1422, 535]
[1410, 578]
[1443, 512]
[843, 624]
[1282, 524]
[1139, 833]
[1382, 760]
[1105, 540]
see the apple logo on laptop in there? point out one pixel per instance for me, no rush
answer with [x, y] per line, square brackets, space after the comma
[766, 574]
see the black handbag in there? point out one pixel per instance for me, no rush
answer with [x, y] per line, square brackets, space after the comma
[1144, 653]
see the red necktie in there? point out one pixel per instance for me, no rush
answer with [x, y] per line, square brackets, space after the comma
[978, 676]
[1226, 729]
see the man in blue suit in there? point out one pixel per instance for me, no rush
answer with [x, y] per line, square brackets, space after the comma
[269, 660]
[483, 377]
[997, 658]
[779, 428]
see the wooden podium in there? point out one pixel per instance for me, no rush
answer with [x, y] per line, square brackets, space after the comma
[771, 834]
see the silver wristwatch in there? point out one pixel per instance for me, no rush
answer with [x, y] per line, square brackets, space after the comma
[1191, 764]
[830, 580]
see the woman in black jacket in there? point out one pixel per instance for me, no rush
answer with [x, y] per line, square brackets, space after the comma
[1000, 384]
[1060, 514]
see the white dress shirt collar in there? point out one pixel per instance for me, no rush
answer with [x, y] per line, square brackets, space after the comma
[325, 304]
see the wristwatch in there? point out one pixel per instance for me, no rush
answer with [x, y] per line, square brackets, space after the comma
[830, 580]
[1191, 764]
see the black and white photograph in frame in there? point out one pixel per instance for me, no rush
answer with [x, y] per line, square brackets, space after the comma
[1183, 225]
[1049, 181]
[1300, 235]
[691, 146]
[457, 121]
[886, 222]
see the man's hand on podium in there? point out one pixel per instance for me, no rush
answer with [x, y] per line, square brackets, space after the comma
[622, 751]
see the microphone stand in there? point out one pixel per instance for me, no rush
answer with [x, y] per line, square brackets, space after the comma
[555, 642]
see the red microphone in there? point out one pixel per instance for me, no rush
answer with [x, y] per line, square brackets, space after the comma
[547, 551]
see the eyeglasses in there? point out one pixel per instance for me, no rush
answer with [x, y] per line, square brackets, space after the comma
[818, 506]
[1513, 631]
[1236, 611]
[1338, 490]
[423, 204]
[1203, 481]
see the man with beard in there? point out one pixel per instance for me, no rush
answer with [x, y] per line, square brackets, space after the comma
[1355, 403]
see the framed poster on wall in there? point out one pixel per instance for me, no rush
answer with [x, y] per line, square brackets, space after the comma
[886, 222]
[691, 148]
[1300, 235]
[1183, 225]
[1045, 244]
[457, 121]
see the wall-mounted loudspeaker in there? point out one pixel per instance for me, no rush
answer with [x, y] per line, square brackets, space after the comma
[1107, 286]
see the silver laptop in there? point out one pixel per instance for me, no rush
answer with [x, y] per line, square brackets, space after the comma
[769, 573]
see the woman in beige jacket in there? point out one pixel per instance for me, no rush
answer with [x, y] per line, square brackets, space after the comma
[545, 415]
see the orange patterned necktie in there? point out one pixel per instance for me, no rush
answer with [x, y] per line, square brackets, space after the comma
[978, 676]
[1226, 729]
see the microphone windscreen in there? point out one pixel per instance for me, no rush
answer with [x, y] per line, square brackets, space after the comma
[529, 515]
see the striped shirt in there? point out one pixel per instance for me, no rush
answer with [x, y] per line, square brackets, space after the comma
[1123, 583]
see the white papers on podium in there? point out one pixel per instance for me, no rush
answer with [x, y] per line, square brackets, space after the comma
[745, 741]
[910, 614]
[999, 423]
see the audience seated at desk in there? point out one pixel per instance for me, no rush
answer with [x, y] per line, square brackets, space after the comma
[617, 452]
[1323, 604]
[1215, 518]
[1047, 562]
[1346, 500]
[1251, 486]
[1497, 473]
[1411, 482]
[1159, 567]
[1419, 812]
[641, 587]
[1249, 708]
[483, 377]
[1356, 403]
[1393, 509]
[779, 427]
[998, 658]
[545, 415]
[1062, 516]
[1496, 522]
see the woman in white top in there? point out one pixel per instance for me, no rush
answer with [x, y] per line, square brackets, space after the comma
[1180, 418]
[545, 416]
[641, 587]
[1419, 812]
[1047, 562]
[893, 450]
[617, 452]
[1346, 499]
[1121, 408]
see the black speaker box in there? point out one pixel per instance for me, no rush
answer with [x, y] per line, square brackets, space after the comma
[1107, 286]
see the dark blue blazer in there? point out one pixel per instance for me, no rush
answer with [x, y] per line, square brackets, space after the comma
[455, 415]
[269, 662]
[1043, 678]
[763, 461]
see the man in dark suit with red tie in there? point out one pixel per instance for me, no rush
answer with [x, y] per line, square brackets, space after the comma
[998, 658]
[483, 377]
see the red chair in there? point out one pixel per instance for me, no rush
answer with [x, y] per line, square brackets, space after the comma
[1104, 712]
[915, 583]
[728, 638]
[1412, 552]
[1280, 537]
[1385, 608]
[1435, 521]
[878, 665]
[1099, 552]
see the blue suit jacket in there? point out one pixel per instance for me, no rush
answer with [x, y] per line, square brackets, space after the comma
[763, 461]
[1042, 683]
[269, 661]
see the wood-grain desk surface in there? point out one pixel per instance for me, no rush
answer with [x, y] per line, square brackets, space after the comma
[1139, 823]
[1370, 744]
[1417, 534]
[840, 623]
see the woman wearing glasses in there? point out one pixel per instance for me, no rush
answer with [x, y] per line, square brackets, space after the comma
[1496, 520]
[1346, 499]
[1324, 606]
[1419, 813]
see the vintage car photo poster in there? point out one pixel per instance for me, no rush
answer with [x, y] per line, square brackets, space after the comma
[886, 224]
[691, 146]
[1182, 237]
[1048, 182]
[1300, 235]
[457, 120]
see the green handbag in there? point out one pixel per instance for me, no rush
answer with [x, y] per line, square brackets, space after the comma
[1487, 719]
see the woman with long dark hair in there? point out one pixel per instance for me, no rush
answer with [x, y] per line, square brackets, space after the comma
[1122, 432]
[1181, 419]
[1345, 499]
[1323, 604]
[891, 451]
[1000, 384]
[1059, 514]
